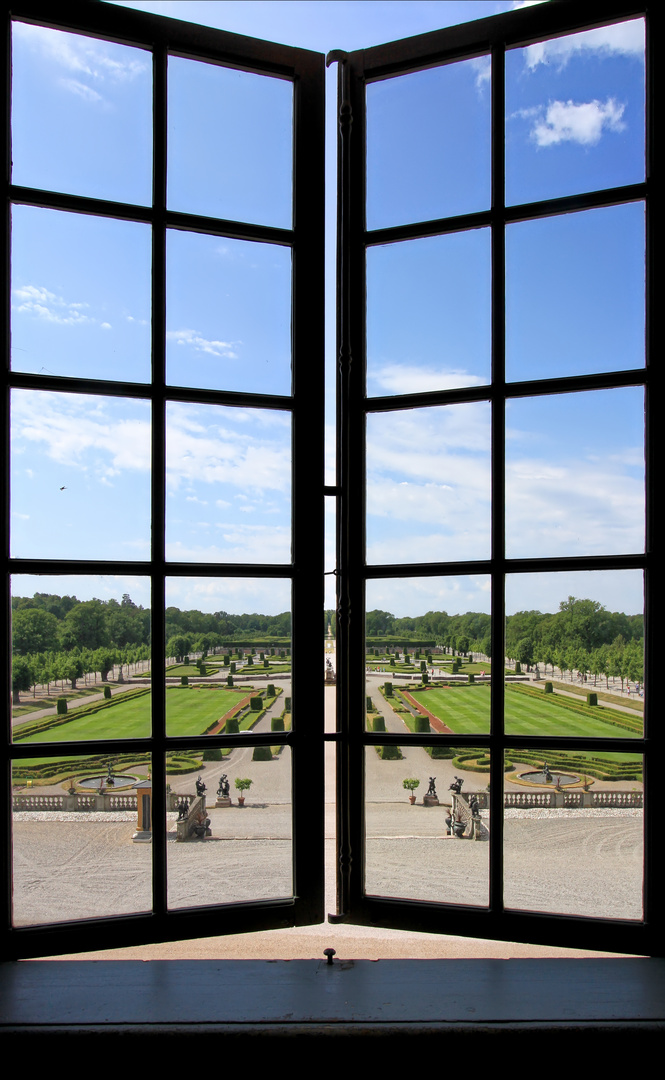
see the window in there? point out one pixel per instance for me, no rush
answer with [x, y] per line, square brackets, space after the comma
[170, 221]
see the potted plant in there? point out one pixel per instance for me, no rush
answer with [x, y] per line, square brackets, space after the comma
[242, 784]
[411, 784]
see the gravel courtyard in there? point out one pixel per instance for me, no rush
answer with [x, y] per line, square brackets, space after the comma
[73, 866]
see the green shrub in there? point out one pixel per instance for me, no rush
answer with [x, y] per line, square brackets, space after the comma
[270, 690]
[592, 699]
[229, 680]
[518, 668]
[379, 723]
[226, 660]
[232, 667]
[388, 689]
[214, 754]
[61, 706]
[250, 661]
[424, 678]
[471, 677]
[256, 704]
[184, 680]
[287, 704]
[368, 703]
[266, 663]
[423, 665]
[262, 753]
[421, 725]
[231, 726]
[548, 688]
[107, 691]
[277, 723]
[390, 753]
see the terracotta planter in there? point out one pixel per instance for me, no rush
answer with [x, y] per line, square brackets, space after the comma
[241, 800]
[412, 799]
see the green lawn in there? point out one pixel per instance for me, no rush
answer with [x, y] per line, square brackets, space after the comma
[466, 711]
[189, 711]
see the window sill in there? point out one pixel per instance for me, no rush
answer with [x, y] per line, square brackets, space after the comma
[397, 999]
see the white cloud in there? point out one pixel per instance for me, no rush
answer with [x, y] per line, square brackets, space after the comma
[98, 60]
[583, 122]
[413, 379]
[81, 90]
[83, 432]
[248, 456]
[621, 39]
[482, 65]
[200, 344]
[584, 507]
[43, 304]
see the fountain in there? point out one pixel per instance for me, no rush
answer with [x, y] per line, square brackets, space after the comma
[110, 782]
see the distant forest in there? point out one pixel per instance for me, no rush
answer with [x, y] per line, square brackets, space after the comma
[64, 637]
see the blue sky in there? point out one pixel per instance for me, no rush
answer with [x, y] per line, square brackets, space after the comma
[575, 305]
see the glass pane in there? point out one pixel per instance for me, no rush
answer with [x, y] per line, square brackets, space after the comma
[575, 657]
[225, 671]
[575, 293]
[229, 825]
[425, 840]
[80, 476]
[228, 314]
[428, 669]
[228, 480]
[230, 141]
[77, 832]
[575, 113]
[429, 132]
[428, 484]
[575, 474]
[82, 115]
[428, 313]
[80, 295]
[80, 658]
[573, 833]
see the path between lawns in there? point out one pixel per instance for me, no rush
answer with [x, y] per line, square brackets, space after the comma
[231, 713]
[437, 724]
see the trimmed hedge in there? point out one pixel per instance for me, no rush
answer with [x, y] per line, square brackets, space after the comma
[262, 753]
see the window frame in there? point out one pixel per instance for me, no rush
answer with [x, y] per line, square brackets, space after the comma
[356, 70]
[305, 70]
[306, 571]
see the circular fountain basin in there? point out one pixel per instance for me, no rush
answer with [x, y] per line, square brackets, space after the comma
[94, 783]
[541, 778]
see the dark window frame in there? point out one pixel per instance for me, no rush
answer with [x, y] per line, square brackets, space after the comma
[163, 35]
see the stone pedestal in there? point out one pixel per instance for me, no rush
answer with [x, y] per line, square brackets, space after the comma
[223, 802]
[430, 800]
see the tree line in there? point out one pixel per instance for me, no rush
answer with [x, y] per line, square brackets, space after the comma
[60, 637]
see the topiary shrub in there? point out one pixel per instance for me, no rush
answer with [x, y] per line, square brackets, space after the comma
[548, 688]
[256, 704]
[270, 690]
[472, 678]
[214, 754]
[592, 699]
[421, 725]
[287, 704]
[391, 753]
[379, 723]
[227, 660]
[262, 753]
[184, 680]
[424, 678]
[266, 663]
[388, 689]
[368, 703]
[518, 668]
[250, 661]
[61, 706]
[229, 680]
[232, 667]
[277, 723]
[231, 726]
[107, 691]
